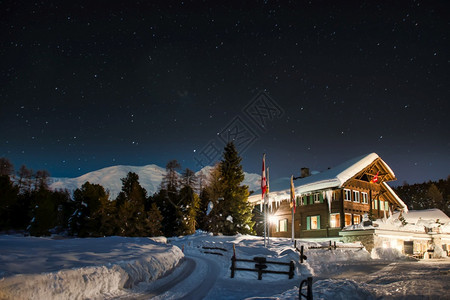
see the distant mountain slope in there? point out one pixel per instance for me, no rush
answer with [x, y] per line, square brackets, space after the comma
[150, 178]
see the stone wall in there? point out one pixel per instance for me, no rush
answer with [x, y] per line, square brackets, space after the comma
[367, 240]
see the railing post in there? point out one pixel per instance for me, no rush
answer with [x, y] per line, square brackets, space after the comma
[233, 266]
[309, 294]
[291, 269]
[302, 256]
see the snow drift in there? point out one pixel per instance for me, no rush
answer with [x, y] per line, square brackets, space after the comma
[43, 268]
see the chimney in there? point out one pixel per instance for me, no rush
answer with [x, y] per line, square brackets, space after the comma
[304, 172]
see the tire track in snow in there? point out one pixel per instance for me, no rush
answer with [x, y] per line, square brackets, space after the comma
[194, 280]
[185, 273]
[209, 278]
[382, 276]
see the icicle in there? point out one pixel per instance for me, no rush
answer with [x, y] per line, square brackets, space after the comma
[329, 194]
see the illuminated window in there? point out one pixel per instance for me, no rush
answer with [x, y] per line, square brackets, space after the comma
[313, 222]
[381, 205]
[335, 220]
[386, 206]
[374, 203]
[347, 195]
[282, 225]
[365, 199]
[356, 196]
[356, 219]
[348, 219]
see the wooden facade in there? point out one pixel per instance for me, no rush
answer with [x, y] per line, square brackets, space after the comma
[364, 193]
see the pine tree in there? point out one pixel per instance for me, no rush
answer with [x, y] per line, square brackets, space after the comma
[6, 167]
[435, 197]
[202, 217]
[233, 214]
[155, 218]
[8, 201]
[106, 217]
[132, 219]
[45, 211]
[188, 204]
[168, 199]
[87, 202]
[25, 179]
[212, 198]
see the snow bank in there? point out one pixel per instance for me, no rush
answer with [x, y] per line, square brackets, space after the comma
[389, 254]
[42, 268]
[323, 261]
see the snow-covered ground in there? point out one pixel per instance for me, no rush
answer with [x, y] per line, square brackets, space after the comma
[44, 268]
[198, 266]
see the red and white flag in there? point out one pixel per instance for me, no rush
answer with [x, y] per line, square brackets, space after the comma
[263, 177]
[375, 178]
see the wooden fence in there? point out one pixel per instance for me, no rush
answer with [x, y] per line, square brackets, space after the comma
[260, 266]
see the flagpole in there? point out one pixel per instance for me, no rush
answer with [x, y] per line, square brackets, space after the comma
[293, 206]
[263, 188]
[293, 227]
[264, 213]
[268, 200]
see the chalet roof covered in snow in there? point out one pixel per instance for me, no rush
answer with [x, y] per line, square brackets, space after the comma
[335, 178]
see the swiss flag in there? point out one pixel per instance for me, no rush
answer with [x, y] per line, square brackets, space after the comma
[375, 178]
[263, 177]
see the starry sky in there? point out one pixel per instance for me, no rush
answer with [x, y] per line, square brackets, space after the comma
[91, 84]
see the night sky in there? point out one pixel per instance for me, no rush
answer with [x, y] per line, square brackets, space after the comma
[101, 83]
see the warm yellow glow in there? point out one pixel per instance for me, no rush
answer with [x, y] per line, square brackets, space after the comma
[395, 244]
[334, 220]
[404, 237]
[273, 219]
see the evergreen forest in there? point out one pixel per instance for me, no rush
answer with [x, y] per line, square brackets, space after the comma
[182, 205]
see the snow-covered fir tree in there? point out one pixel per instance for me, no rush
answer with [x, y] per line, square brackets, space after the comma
[232, 213]
[188, 204]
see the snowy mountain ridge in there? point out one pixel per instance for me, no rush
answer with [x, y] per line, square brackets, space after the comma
[150, 177]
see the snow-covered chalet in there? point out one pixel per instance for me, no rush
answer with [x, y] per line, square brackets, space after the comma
[331, 200]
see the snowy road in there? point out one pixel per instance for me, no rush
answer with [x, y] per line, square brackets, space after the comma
[423, 279]
[401, 279]
[206, 277]
[193, 279]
